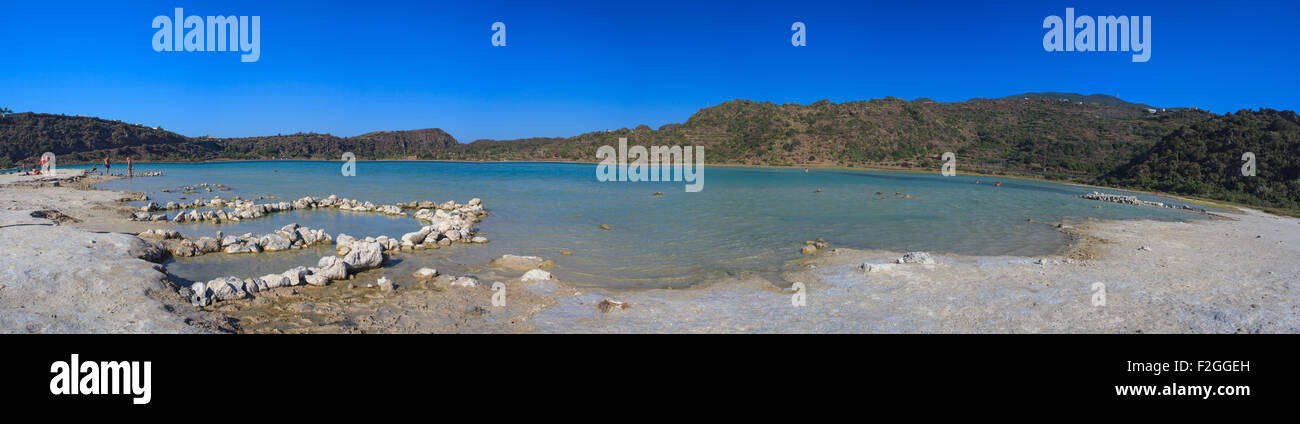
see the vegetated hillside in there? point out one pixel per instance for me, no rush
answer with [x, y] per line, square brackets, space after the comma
[25, 136]
[373, 145]
[1067, 137]
[1205, 159]
[78, 139]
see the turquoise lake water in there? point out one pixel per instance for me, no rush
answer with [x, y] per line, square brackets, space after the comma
[746, 220]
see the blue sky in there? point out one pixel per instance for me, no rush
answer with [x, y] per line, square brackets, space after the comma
[570, 67]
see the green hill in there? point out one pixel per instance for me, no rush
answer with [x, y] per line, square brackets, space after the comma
[1037, 136]
[25, 136]
[76, 139]
[1205, 160]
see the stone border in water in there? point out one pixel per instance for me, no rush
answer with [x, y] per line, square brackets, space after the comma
[1133, 200]
[445, 227]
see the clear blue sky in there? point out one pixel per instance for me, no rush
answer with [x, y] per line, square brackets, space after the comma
[351, 67]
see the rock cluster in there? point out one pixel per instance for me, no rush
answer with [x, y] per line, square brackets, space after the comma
[1133, 200]
[290, 236]
[812, 246]
[364, 256]
[249, 209]
[447, 223]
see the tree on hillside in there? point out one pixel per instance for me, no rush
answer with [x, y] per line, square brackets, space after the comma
[5, 111]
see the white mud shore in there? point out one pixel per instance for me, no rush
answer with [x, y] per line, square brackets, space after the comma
[70, 278]
[1236, 275]
[1239, 275]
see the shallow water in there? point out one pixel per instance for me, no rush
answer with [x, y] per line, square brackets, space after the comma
[746, 220]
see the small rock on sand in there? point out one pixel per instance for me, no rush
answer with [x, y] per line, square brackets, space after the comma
[608, 305]
[425, 273]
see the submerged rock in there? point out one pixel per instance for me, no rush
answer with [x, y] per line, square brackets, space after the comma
[517, 262]
[426, 273]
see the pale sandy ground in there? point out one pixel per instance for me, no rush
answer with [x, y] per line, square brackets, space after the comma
[70, 279]
[1208, 276]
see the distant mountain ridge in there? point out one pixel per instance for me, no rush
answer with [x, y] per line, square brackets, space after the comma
[1097, 139]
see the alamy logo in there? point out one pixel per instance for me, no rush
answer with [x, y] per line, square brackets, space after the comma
[659, 163]
[102, 378]
[1104, 34]
[216, 34]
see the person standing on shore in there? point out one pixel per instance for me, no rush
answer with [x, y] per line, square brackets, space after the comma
[107, 164]
[129, 173]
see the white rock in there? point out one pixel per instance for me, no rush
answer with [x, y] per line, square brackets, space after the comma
[417, 237]
[200, 295]
[295, 276]
[465, 281]
[916, 258]
[536, 275]
[274, 242]
[227, 288]
[275, 280]
[332, 267]
[364, 255]
[426, 273]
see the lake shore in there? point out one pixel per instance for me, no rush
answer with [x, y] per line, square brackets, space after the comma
[1209, 276]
